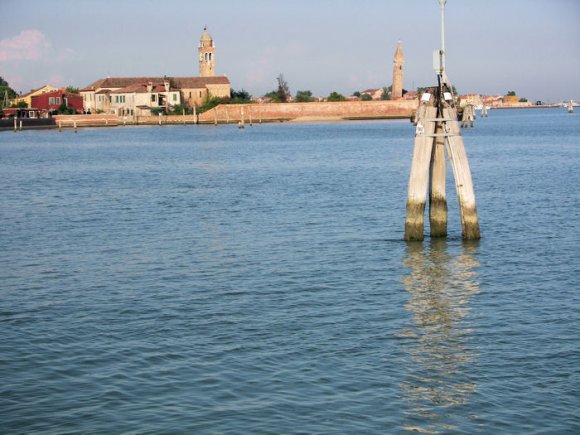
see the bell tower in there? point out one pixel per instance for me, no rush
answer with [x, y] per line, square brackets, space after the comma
[206, 55]
[397, 86]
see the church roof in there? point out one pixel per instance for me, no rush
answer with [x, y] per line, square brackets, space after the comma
[176, 82]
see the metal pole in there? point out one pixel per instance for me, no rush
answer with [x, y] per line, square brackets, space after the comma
[442, 5]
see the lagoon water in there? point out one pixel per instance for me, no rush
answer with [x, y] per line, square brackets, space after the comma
[211, 280]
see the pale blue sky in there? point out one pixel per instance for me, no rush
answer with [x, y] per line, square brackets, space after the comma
[493, 46]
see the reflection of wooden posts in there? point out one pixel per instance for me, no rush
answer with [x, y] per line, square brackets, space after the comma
[194, 114]
[15, 124]
[437, 125]
[484, 111]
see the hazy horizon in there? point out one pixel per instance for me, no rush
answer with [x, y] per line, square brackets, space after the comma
[530, 47]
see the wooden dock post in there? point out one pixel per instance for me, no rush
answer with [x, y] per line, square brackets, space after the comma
[419, 176]
[15, 125]
[437, 195]
[75, 126]
[215, 116]
[194, 114]
[437, 125]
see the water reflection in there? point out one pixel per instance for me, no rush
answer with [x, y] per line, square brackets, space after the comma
[437, 352]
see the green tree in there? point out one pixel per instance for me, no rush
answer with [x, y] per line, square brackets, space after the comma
[240, 97]
[209, 103]
[63, 109]
[282, 93]
[72, 90]
[303, 97]
[6, 93]
[523, 100]
[386, 94]
[180, 109]
[366, 97]
[511, 94]
[356, 94]
[335, 96]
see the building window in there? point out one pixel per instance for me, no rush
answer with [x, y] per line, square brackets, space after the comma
[153, 98]
[58, 100]
[190, 95]
[51, 100]
[174, 97]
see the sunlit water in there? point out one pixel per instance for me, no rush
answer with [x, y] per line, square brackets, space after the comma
[212, 280]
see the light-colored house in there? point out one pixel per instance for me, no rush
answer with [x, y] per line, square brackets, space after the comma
[141, 99]
[105, 95]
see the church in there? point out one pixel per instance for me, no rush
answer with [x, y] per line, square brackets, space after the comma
[141, 96]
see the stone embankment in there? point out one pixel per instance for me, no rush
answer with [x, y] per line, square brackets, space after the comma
[309, 112]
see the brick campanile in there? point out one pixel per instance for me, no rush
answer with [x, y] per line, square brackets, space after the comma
[397, 86]
[206, 55]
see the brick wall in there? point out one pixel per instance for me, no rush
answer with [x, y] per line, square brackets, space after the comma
[310, 111]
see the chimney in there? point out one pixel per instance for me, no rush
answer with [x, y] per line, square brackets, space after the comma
[150, 87]
[166, 84]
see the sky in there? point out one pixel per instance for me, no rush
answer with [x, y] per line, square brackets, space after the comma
[531, 47]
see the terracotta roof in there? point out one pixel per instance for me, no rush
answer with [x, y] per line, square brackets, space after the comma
[141, 88]
[177, 82]
[199, 82]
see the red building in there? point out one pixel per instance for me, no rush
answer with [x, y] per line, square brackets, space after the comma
[51, 101]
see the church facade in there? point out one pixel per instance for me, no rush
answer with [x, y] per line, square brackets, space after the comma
[138, 96]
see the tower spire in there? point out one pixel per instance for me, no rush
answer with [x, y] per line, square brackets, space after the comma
[206, 55]
[397, 86]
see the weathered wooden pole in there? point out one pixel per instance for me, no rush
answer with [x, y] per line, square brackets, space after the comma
[463, 181]
[437, 195]
[438, 127]
[420, 167]
[215, 116]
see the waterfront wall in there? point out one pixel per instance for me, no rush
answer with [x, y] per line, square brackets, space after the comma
[304, 112]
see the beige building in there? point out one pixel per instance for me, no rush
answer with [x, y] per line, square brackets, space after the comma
[141, 99]
[106, 95]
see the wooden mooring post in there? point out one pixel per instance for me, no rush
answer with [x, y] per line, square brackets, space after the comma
[438, 132]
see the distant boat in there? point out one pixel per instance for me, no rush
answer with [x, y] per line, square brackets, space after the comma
[570, 107]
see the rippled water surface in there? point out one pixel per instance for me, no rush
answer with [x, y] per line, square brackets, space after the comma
[212, 280]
